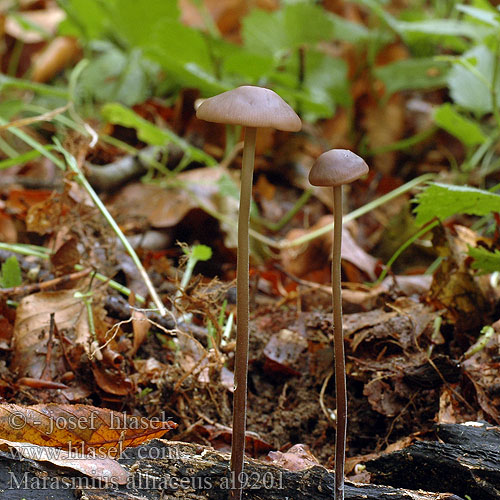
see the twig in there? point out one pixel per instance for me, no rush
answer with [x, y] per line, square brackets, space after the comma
[36, 287]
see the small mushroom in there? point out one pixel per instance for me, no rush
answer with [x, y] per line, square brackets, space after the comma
[251, 107]
[335, 168]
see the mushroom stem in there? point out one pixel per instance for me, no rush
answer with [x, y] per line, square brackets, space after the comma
[338, 341]
[242, 307]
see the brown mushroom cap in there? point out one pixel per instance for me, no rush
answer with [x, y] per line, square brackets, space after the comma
[337, 167]
[251, 107]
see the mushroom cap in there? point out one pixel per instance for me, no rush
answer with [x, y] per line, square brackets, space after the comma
[337, 167]
[251, 107]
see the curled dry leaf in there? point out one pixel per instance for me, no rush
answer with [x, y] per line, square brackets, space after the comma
[298, 457]
[316, 253]
[107, 470]
[87, 429]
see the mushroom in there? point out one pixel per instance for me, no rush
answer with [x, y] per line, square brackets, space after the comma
[251, 107]
[335, 168]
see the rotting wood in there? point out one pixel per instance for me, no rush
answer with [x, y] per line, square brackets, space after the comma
[169, 470]
[466, 462]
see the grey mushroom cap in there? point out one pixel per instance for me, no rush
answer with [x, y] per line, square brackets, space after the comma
[337, 167]
[251, 107]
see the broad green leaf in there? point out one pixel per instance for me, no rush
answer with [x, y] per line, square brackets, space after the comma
[264, 32]
[467, 131]
[485, 260]
[325, 85]
[410, 74]
[470, 87]
[201, 252]
[347, 30]
[10, 108]
[84, 18]
[115, 75]
[135, 20]
[442, 201]
[306, 24]
[150, 133]
[295, 25]
[184, 54]
[11, 273]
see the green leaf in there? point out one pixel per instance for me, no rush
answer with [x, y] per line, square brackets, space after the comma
[84, 18]
[184, 53]
[295, 25]
[444, 27]
[201, 252]
[442, 201]
[305, 24]
[423, 73]
[485, 260]
[136, 21]
[471, 78]
[150, 133]
[116, 76]
[10, 275]
[487, 16]
[264, 32]
[464, 129]
[347, 30]
[10, 108]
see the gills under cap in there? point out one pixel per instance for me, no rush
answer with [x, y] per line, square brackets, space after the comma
[251, 107]
[337, 167]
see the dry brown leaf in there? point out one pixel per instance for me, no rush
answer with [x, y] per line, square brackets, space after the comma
[316, 253]
[87, 429]
[31, 331]
[107, 470]
[140, 326]
[382, 398]
[112, 381]
[57, 55]
[47, 19]
[298, 457]
[283, 350]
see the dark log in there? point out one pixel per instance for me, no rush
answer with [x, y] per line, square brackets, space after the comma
[169, 470]
[467, 462]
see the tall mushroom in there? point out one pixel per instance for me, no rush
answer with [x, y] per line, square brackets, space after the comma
[251, 107]
[335, 168]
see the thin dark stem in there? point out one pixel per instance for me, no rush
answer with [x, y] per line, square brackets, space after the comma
[242, 307]
[338, 347]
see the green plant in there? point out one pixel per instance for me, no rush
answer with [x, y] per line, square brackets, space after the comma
[198, 253]
[10, 274]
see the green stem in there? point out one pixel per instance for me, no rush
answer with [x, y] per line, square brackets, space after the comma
[356, 213]
[277, 226]
[403, 247]
[242, 307]
[338, 347]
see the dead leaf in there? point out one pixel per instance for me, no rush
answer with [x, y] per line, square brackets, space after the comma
[57, 55]
[317, 253]
[283, 351]
[88, 429]
[65, 258]
[298, 457]
[382, 398]
[31, 332]
[47, 19]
